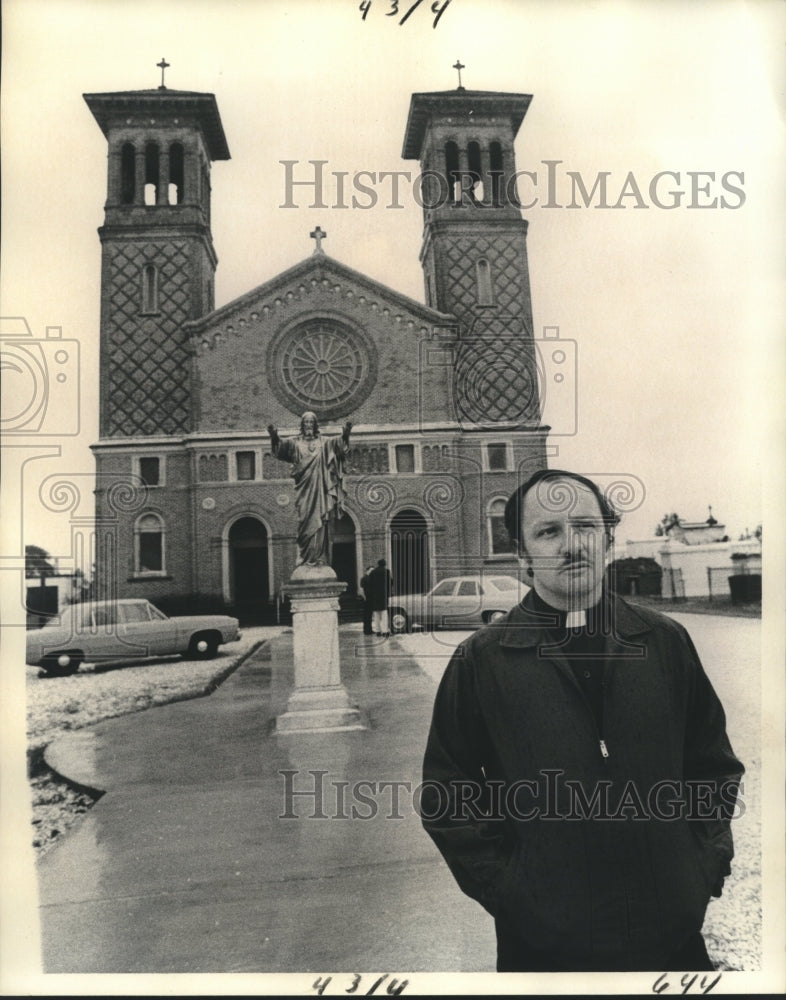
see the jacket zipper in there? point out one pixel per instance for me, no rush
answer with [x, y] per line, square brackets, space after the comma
[604, 750]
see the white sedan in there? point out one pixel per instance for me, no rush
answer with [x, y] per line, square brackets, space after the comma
[115, 630]
[457, 602]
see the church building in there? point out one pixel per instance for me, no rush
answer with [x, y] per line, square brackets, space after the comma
[443, 395]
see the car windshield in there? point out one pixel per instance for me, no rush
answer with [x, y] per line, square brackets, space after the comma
[155, 614]
[504, 583]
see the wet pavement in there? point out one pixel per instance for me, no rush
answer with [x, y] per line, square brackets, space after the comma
[197, 860]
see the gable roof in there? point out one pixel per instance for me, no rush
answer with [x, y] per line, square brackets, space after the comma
[318, 265]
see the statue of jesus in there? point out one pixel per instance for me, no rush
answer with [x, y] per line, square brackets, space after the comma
[318, 470]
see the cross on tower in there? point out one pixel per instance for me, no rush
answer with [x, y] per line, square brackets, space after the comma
[318, 235]
[163, 65]
[458, 65]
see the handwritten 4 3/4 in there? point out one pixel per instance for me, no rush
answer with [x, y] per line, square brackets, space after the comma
[436, 8]
[393, 988]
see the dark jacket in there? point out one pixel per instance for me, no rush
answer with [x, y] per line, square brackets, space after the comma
[380, 587]
[627, 886]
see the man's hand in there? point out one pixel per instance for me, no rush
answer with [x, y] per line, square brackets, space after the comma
[347, 428]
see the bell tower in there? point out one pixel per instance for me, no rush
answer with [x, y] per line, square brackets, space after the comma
[158, 262]
[474, 252]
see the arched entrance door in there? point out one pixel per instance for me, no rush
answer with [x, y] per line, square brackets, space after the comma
[409, 553]
[248, 566]
[343, 556]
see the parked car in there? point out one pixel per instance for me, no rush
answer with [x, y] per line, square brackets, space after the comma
[457, 602]
[115, 630]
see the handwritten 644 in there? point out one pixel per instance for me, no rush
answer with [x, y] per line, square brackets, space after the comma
[688, 983]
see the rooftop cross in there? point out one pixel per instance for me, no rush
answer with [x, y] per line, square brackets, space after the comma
[163, 66]
[318, 235]
[459, 66]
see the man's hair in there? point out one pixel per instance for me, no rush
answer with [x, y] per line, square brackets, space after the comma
[562, 499]
[381, 562]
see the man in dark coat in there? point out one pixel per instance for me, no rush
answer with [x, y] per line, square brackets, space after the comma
[365, 586]
[381, 586]
[578, 779]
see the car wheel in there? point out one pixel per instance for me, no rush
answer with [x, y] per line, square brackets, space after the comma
[493, 616]
[203, 646]
[61, 664]
[399, 621]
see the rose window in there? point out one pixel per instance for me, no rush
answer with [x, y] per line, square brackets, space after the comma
[322, 366]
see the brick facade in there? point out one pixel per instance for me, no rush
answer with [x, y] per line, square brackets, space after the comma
[443, 397]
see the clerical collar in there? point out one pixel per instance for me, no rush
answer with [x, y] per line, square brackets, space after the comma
[559, 618]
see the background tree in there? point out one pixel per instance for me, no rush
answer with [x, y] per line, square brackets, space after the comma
[38, 562]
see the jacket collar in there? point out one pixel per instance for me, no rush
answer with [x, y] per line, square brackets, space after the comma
[526, 627]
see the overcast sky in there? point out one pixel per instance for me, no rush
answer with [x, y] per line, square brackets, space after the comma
[675, 312]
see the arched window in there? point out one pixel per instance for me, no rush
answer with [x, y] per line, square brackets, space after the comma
[127, 174]
[151, 173]
[176, 174]
[496, 170]
[476, 171]
[485, 285]
[149, 288]
[149, 547]
[498, 538]
[452, 171]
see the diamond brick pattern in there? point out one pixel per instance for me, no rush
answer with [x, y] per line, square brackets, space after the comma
[496, 385]
[495, 378]
[146, 374]
[504, 256]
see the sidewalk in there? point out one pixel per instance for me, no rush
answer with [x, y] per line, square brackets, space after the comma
[186, 864]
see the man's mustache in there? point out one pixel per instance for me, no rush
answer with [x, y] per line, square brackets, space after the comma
[570, 561]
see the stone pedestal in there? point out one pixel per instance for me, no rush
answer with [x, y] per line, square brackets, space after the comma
[319, 701]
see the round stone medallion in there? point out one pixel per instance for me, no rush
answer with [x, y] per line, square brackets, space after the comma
[324, 365]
